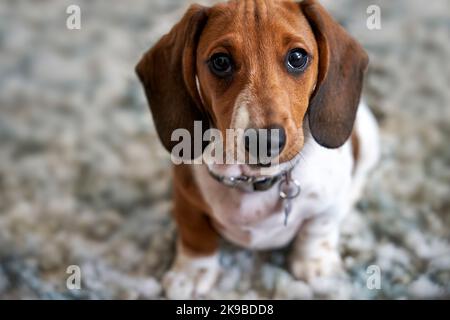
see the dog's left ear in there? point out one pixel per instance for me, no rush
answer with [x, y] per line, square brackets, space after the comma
[342, 64]
[167, 72]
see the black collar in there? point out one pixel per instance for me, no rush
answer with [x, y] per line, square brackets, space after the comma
[248, 183]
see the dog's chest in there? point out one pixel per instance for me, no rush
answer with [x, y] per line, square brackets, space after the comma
[256, 220]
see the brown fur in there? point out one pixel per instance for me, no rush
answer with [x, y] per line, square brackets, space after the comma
[355, 149]
[196, 233]
[267, 29]
[167, 73]
[343, 61]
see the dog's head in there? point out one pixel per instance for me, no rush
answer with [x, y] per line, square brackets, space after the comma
[256, 64]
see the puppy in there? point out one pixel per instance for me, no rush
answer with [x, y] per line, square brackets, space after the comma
[262, 64]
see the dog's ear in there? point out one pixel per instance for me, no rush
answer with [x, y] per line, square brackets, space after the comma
[167, 72]
[342, 64]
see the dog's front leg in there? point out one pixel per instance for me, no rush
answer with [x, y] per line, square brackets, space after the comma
[196, 265]
[315, 251]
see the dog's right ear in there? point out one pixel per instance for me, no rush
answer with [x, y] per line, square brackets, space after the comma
[342, 64]
[167, 72]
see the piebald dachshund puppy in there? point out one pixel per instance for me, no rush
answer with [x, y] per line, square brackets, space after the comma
[262, 64]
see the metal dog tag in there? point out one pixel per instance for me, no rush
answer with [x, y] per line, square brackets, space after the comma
[287, 210]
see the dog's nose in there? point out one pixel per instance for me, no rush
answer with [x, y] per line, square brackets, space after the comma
[272, 139]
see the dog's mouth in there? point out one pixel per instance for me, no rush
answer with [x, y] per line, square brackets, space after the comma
[252, 170]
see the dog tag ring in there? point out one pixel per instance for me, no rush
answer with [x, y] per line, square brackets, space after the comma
[289, 190]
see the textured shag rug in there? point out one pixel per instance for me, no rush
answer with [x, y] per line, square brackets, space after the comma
[84, 180]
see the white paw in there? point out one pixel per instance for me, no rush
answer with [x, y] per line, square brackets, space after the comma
[309, 268]
[191, 278]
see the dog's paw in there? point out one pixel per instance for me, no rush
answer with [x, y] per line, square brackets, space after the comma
[190, 277]
[307, 269]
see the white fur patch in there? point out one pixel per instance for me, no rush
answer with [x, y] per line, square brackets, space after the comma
[255, 220]
[191, 277]
[199, 90]
[241, 116]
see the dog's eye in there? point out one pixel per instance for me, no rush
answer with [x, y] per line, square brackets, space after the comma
[221, 64]
[297, 60]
